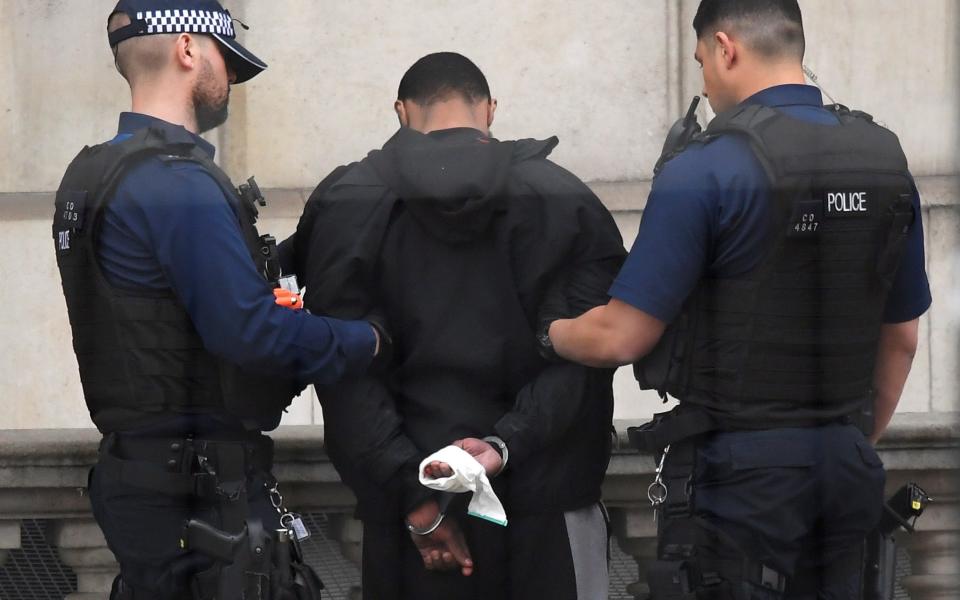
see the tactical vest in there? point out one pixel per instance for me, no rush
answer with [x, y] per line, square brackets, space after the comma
[139, 353]
[794, 341]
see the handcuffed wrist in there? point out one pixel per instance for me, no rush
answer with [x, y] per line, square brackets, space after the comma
[501, 447]
[430, 528]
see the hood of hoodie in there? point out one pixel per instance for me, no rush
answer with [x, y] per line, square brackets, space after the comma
[452, 181]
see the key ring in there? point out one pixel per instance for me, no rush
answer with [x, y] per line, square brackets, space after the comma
[657, 491]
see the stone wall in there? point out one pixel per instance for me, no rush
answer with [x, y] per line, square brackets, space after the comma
[607, 78]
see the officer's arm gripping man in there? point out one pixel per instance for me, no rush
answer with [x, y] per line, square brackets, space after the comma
[608, 336]
[199, 247]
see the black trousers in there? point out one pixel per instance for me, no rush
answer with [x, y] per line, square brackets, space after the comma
[800, 500]
[555, 556]
[143, 527]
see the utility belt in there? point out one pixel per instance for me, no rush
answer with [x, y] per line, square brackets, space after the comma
[197, 467]
[252, 561]
[689, 421]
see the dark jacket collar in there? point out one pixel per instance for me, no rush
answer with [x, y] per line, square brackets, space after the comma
[787, 95]
[131, 122]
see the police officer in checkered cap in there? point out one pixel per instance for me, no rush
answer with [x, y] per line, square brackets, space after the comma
[187, 352]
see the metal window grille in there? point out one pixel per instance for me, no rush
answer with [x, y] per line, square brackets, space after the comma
[34, 571]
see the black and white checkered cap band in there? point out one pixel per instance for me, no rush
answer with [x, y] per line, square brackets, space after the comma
[188, 21]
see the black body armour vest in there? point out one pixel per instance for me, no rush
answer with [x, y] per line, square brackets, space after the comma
[794, 341]
[139, 353]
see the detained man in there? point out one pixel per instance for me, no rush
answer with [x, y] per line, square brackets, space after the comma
[449, 239]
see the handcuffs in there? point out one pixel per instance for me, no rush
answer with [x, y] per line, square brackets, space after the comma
[501, 448]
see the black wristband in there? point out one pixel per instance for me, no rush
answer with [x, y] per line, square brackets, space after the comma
[545, 345]
[501, 447]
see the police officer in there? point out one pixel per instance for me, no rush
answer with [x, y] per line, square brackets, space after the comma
[774, 288]
[184, 356]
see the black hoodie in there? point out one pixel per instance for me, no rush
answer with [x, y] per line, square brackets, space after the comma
[452, 240]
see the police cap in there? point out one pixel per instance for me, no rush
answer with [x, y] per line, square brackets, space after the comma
[148, 17]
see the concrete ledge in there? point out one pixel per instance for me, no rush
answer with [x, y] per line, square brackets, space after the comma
[43, 471]
[618, 196]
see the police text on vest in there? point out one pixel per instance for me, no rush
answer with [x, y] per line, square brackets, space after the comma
[846, 202]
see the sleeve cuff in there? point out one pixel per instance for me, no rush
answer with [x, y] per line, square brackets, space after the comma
[659, 310]
[511, 429]
[891, 317]
[412, 493]
[359, 343]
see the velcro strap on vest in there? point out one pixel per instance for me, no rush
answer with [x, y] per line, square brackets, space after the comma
[670, 427]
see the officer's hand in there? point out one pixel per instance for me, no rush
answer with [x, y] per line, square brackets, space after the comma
[444, 549]
[482, 451]
[287, 299]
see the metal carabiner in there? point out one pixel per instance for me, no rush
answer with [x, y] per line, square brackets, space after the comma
[276, 498]
[657, 491]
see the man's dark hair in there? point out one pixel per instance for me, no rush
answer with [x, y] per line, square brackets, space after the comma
[772, 28]
[436, 77]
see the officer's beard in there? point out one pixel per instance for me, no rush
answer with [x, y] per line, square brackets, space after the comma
[210, 103]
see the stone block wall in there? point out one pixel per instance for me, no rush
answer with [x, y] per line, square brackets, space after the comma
[607, 78]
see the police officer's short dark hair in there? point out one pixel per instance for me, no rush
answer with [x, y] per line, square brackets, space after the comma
[770, 27]
[436, 77]
[139, 55]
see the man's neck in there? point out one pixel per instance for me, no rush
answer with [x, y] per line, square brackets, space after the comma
[790, 74]
[166, 106]
[441, 125]
[450, 115]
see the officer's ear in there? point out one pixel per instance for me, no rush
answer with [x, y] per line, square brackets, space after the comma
[401, 111]
[186, 50]
[491, 109]
[726, 49]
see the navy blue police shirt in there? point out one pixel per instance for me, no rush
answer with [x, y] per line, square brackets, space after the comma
[706, 217]
[170, 227]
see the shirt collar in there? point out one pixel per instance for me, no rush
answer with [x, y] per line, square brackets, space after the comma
[131, 122]
[793, 94]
